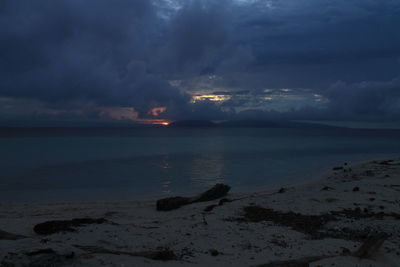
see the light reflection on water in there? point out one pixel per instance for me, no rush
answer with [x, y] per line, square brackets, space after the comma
[165, 166]
[200, 170]
[165, 187]
[207, 170]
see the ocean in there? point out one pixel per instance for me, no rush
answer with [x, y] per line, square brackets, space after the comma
[91, 164]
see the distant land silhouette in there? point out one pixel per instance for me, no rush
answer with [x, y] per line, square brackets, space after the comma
[249, 124]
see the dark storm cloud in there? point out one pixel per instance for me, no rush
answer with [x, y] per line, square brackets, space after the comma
[91, 51]
[75, 55]
[198, 37]
[370, 100]
[315, 43]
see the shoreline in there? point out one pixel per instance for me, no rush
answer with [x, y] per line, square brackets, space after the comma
[315, 177]
[345, 207]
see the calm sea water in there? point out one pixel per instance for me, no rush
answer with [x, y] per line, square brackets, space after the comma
[96, 164]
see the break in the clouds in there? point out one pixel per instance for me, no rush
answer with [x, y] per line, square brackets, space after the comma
[141, 59]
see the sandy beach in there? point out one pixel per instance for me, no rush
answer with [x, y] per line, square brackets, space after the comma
[348, 217]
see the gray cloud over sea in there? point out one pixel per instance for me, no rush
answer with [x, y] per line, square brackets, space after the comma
[272, 59]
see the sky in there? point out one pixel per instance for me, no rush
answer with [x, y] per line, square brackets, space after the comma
[151, 61]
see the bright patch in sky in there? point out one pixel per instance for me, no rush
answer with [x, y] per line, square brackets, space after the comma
[214, 98]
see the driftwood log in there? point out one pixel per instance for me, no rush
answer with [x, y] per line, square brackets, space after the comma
[171, 203]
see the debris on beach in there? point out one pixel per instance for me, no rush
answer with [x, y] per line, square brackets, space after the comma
[303, 262]
[220, 203]
[282, 190]
[52, 227]
[388, 162]
[38, 258]
[308, 224]
[366, 250]
[210, 207]
[313, 225]
[327, 188]
[10, 236]
[371, 246]
[217, 191]
[357, 213]
[171, 203]
[337, 168]
[161, 254]
[214, 252]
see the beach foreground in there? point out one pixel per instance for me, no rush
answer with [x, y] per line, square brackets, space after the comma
[350, 217]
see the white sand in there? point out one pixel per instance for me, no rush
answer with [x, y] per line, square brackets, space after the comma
[139, 227]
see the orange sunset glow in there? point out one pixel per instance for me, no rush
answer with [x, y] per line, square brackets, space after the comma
[162, 122]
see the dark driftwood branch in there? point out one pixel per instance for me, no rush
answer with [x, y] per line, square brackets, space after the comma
[171, 203]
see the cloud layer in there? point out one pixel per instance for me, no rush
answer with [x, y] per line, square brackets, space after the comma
[96, 59]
